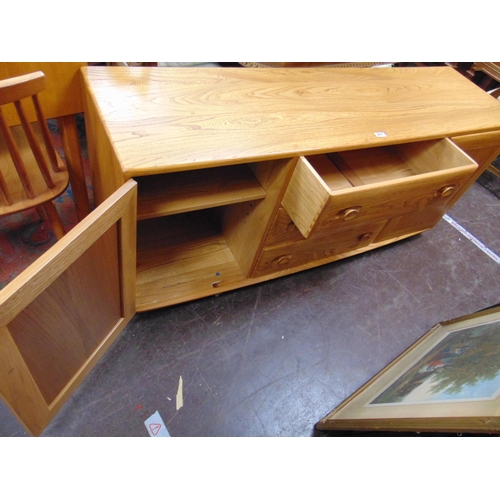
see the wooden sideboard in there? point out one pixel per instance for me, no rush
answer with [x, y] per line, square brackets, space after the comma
[211, 179]
[245, 175]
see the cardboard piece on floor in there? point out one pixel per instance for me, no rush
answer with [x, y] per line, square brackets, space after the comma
[179, 400]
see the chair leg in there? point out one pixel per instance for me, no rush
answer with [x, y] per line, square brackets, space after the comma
[71, 146]
[41, 212]
[54, 219]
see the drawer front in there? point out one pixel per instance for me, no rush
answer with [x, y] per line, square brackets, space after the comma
[283, 230]
[305, 197]
[414, 222]
[412, 194]
[316, 248]
[342, 190]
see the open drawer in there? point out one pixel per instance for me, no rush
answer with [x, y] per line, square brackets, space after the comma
[339, 190]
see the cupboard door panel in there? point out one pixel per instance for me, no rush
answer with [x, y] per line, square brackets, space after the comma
[59, 316]
[68, 322]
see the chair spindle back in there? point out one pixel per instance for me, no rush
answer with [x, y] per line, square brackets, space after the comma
[14, 90]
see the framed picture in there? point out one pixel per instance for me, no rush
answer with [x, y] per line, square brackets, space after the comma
[447, 381]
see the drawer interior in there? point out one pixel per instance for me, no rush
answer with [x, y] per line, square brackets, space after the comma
[374, 183]
[387, 163]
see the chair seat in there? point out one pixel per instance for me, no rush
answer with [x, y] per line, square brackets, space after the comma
[19, 199]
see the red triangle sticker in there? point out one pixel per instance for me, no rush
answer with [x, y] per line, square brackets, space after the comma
[155, 428]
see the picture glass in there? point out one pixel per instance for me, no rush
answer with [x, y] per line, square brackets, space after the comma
[463, 366]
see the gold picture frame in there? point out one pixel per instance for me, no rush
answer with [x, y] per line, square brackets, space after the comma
[447, 381]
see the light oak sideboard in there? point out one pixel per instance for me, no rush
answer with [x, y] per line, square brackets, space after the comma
[245, 174]
[211, 179]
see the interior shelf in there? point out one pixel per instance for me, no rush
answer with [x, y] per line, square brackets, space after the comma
[179, 192]
[181, 256]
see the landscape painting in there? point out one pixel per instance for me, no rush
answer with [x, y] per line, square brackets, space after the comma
[448, 381]
[463, 366]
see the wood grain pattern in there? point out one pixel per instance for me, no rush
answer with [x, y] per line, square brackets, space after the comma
[245, 226]
[151, 122]
[283, 230]
[413, 222]
[19, 293]
[17, 387]
[306, 196]
[54, 334]
[392, 198]
[316, 248]
[107, 175]
[166, 119]
[483, 148]
[182, 256]
[17, 88]
[383, 182]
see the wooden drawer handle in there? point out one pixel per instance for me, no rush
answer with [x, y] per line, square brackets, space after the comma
[446, 191]
[365, 237]
[282, 260]
[350, 213]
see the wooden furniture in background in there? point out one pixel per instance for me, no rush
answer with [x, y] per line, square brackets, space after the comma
[132, 64]
[485, 74]
[313, 64]
[59, 316]
[246, 175]
[32, 172]
[62, 99]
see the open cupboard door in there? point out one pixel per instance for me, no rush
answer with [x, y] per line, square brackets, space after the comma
[61, 314]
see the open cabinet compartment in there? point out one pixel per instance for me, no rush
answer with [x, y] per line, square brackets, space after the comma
[180, 256]
[182, 249]
[206, 238]
[186, 191]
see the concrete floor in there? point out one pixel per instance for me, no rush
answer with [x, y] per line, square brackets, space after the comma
[273, 359]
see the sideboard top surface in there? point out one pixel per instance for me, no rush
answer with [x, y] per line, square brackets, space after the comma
[170, 119]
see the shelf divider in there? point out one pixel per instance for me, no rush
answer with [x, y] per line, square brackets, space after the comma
[180, 192]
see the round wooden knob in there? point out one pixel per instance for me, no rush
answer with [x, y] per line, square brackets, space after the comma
[446, 191]
[282, 260]
[366, 237]
[350, 213]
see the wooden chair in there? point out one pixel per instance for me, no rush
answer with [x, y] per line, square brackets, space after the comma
[32, 173]
[62, 100]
